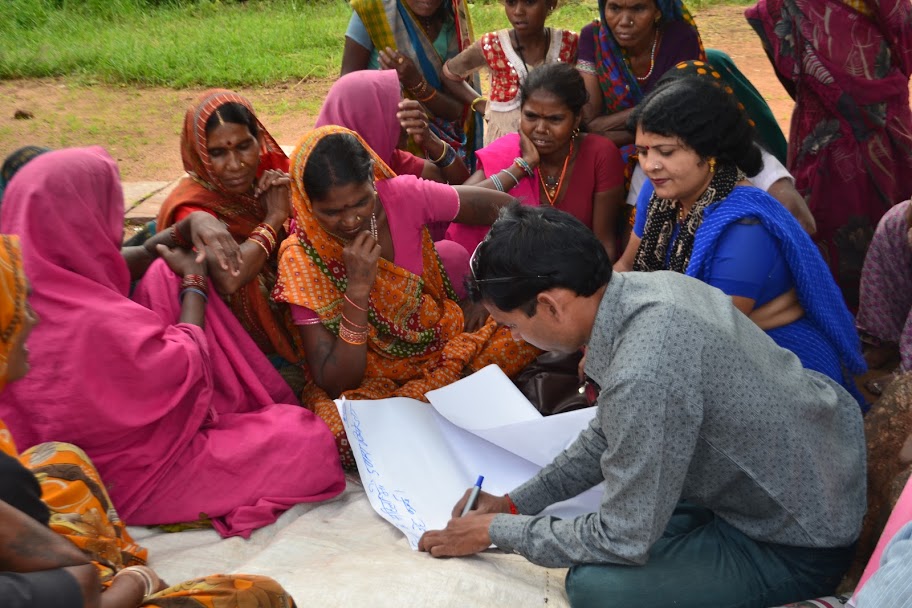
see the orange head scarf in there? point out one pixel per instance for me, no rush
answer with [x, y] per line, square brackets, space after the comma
[203, 189]
[410, 315]
[13, 301]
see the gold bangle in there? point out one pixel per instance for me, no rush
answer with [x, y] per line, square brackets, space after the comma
[420, 88]
[429, 97]
[476, 100]
[267, 233]
[355, 338]
[442, 154]
[260, 243]
[269, 229]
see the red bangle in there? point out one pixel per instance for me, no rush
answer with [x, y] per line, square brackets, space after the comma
[178, 238]
[195, 281]
[353, 324]
[513, 509]
[263, 241]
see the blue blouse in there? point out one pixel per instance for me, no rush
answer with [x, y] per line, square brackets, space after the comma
[749, 245]
[747, 261]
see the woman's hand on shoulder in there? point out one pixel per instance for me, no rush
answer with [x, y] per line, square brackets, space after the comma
[208, 234]
[405, 68]
[181, 261]
[361, 256]
[274, 191]
[528, 151]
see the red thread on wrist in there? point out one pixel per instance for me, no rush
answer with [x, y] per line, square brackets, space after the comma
[513, 509]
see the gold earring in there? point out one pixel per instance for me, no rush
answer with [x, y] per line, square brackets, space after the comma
[575, 133]
[712, 165]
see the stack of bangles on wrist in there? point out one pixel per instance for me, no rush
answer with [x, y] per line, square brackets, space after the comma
[356, 334]
[143, 573]
[447, 157]
[178, 238]
[423, 91]
[265, 236]
[194, 283]
[499, 184]
[522, 164]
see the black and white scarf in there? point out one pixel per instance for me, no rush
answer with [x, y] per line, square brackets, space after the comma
[662, 215]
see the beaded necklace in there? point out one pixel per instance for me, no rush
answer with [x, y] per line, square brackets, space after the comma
[551, 188]
[652, 56]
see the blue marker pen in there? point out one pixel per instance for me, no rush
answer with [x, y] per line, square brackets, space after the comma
[473, 497]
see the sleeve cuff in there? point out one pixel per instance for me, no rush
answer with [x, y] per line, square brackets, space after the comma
[586, 67]
[530, 498]
[506, 531]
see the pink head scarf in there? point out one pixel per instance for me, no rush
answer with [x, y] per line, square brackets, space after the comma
[148, 398]
[94, 346]
[366, 102]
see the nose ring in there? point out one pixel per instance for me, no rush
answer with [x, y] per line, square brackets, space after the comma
[656, 167]
[357, 218]
[630, 22]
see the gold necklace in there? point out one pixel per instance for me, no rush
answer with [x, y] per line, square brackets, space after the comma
[551, 186]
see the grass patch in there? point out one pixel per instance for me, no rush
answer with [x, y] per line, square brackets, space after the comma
[184, 43]
[207, 44]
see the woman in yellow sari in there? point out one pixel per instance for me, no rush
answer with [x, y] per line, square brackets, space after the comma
[62, 543]
[376, 308]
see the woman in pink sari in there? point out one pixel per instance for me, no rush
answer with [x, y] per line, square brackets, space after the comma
[179, 410]
[847, 65]
[370, 103]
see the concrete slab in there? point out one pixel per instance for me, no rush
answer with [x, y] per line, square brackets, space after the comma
[134, 191]
[144, 199]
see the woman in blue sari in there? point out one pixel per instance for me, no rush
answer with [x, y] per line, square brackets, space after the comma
[415, 38]
[704, 219]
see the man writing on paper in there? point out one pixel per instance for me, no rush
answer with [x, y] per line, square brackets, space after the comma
[732, 475]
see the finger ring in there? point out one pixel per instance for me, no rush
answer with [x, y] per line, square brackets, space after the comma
[401, 60]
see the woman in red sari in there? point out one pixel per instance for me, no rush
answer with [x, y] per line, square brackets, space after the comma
[238, 173]
[850, 146]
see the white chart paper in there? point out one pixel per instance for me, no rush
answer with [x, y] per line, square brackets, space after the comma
[416, 460]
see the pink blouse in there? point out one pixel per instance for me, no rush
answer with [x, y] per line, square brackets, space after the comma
[410, 204]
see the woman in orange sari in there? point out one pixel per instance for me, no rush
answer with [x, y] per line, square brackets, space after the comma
[376, 308]
[62, 543]
[238, 173]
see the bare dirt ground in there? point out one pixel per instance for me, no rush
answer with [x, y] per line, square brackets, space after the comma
[140, 127]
